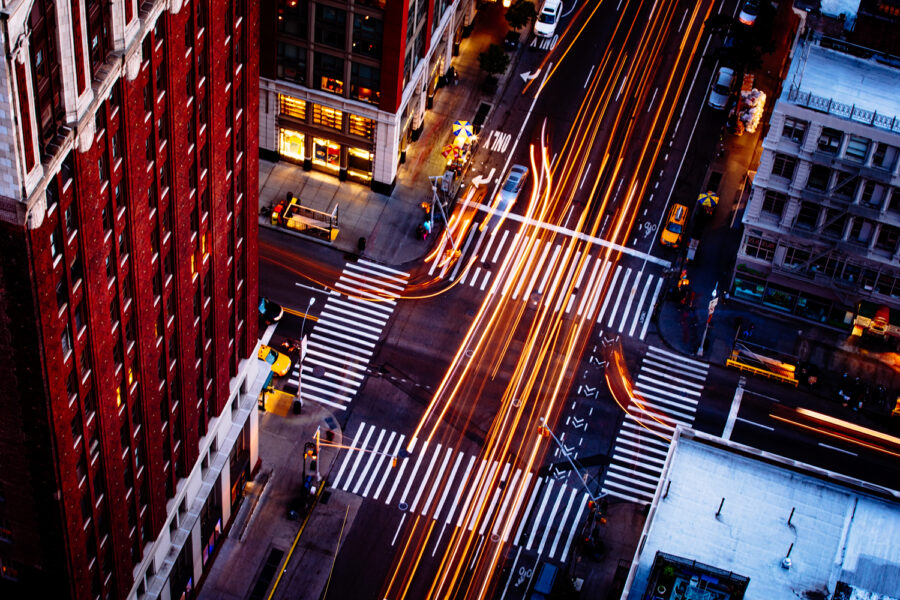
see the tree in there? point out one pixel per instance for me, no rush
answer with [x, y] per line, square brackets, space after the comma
[493, 60]
[520, 14]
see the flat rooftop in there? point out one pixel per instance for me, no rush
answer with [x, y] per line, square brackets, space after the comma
[839, 536]
[826, 74]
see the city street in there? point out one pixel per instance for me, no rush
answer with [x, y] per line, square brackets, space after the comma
[482, 435]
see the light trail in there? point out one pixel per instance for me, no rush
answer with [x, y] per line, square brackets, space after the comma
[540, 345]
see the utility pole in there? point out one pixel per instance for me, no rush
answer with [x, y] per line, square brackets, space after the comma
[712, 308]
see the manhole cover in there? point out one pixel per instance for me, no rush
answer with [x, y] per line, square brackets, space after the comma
[403, 506]
[319, 371]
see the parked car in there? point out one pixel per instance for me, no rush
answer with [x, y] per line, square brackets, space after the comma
[748, 12]
[547, 19]
[674, 230]
[511, 41]
[279, 363]
[270, 311]
[721, 88]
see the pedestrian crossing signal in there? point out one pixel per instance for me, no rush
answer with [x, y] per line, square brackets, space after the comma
[393, 462]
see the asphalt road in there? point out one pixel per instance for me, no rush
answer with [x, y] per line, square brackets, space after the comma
[415, 343]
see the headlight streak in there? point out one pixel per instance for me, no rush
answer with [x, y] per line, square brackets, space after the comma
[535, 388]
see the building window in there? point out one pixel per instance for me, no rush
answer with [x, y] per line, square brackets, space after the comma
[292, 107]
[845, 185]
[71, 219]
[885, 156]
[857, 148]
[327, 117]
[161, 78]
[367, 35]
[62, 293]
[872, 194]
[861, 231]
[55, 244]
[329, 73]
[808, 216]
[830, 140]
[293, 17]
[795, 257]
[331, 26]
[774, 203]
[291, 63]
[75, 271]
[79, 318]
[794, 129]
[65, 340]
[365, 83]
[818, 178]
[887, 239]
[291, 144]
[784, 166]
[759, 248]
[835, 223]
[119, 195]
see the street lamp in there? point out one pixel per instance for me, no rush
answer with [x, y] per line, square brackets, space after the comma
[312, 300]
[712, 308]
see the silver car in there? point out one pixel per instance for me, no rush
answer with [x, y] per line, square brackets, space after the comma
[721, 89]
[512, 187]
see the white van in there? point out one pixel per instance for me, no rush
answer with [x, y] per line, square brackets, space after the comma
[545, 24]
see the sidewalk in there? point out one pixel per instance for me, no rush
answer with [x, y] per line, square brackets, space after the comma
[262, 525]
[389, 222]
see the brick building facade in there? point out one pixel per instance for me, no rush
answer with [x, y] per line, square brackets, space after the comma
[128, 290]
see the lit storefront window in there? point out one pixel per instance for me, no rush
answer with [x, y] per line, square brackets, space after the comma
[327, 117]
[359, 164]
[362, 126]
[326, 154]
[292, 107]
[290, 144]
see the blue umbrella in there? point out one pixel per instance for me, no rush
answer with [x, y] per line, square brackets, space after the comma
[708, 200]
[463, 128]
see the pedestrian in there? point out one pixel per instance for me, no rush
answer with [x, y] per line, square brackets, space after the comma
[748, 333]
[455, 76]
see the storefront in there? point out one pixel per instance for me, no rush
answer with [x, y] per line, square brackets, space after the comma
[326, 155]
[756, 287]
[291, 144]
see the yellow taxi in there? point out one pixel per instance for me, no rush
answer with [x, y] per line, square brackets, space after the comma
[674, 229]
[280, 363]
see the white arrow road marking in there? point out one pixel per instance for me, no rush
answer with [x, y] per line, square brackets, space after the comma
[526, 75]
[482, 179]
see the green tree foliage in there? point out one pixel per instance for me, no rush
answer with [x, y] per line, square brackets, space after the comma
[493, 60]
[520, 14]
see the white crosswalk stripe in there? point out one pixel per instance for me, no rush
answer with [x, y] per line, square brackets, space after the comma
[668, 386]
[625, 308]
[545, 514]
[347, 332]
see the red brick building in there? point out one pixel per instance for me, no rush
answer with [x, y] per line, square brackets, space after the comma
[128, 290]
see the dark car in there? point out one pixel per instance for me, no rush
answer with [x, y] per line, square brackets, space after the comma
[511, 41]
[269, 310]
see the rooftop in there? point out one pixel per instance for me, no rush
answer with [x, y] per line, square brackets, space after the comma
[861, 89]
[741, 512]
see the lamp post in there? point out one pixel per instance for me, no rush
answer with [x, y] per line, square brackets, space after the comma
[312, 300]
[712, 308]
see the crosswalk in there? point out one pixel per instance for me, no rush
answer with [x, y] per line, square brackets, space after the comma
[668, 388]
[349, 327]
[625, 308]
[438, 481]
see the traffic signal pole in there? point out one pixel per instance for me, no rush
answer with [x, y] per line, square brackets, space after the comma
[542, 428]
